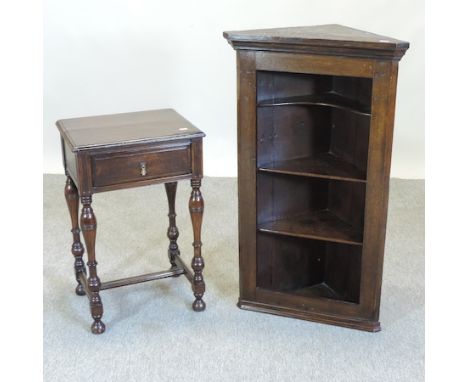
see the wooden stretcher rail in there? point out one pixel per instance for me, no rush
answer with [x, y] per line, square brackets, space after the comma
[187, 271]
[141, 278]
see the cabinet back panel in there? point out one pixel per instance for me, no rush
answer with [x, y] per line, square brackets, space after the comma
[293, 265]
[347, 200]
[350, 137]
[297, 131]
[281, 196]
[273, 85]
[290, 132]
[343, 270]
[287, 264]
[355, 88]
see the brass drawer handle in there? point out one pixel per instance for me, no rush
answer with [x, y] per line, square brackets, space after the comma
[143, 168]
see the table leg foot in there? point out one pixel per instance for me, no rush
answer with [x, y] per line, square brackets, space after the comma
[199, 305]
[98, 327]
[79, 290]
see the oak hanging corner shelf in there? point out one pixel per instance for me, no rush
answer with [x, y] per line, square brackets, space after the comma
[315, 124]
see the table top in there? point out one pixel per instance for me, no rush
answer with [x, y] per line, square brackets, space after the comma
[126, 128]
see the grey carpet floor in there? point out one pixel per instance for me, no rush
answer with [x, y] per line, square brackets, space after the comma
[152, 333]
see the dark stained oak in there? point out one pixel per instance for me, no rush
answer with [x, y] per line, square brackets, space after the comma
[126, 128]
[196, 206]
[88, 227]
[329, 99]
[325, 165]
[320, 225]
[72, 198]
[319, 290]
[315, 122]
[330, 39]
[132, 167]
[111, 152]
[172, 231]
[174, 272]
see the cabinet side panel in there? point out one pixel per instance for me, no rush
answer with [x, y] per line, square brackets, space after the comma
[378, 175]
[247, 165]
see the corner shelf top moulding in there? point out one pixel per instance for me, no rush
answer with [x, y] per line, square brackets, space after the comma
[318, 225]
[326, 165]
[330, 99]
[328, 39]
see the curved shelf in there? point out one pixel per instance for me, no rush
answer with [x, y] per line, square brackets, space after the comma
[329, 99]
[318, 225]
[325, 166]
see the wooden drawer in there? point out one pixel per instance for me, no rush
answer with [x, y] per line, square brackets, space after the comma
[125, 167]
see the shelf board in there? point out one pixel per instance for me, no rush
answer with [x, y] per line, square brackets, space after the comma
[330, 99]
[319, 290]
[319, 225]
[325, 165]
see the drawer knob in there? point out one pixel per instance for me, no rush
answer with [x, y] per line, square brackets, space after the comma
[143, 168]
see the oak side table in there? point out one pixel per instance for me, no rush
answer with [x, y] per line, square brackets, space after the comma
[112, 152]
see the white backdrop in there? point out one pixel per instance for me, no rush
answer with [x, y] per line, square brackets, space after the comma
[112, 56]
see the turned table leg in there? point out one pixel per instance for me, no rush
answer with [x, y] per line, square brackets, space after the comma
[88, 226]
[172, 231]
[196, 213]
[71, 196]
